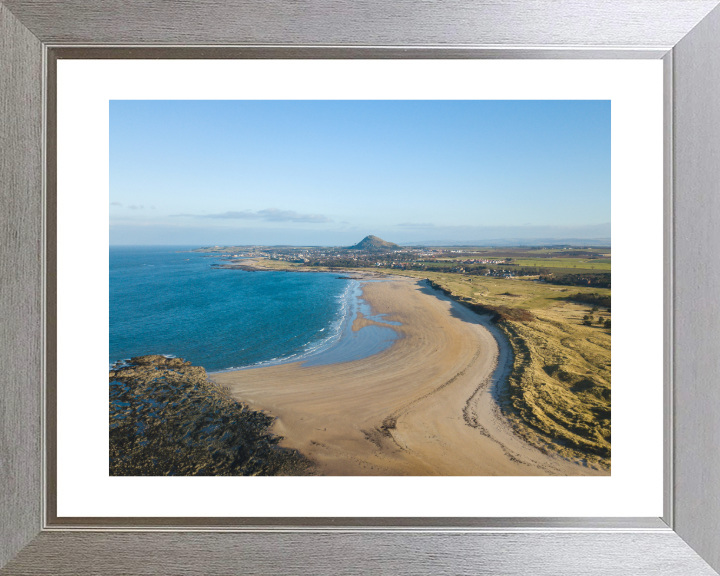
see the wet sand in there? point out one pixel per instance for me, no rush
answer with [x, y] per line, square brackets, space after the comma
[424, 406]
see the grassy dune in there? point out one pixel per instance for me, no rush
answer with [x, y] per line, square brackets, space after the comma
[559, 391]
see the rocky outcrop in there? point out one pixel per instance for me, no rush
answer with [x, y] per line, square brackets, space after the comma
[246, 267]
[168, 419]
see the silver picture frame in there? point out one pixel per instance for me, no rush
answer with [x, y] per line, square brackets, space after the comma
[685, 34]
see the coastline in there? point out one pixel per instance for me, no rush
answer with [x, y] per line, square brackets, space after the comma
[425, 405]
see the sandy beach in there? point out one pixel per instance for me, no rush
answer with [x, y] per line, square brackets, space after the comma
[423, 406]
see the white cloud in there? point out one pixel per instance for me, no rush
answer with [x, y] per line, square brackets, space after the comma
[269, 215]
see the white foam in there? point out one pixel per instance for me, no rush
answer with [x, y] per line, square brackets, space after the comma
[343, 319]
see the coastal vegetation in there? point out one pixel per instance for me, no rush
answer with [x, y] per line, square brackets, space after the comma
[595, 298]
[586, 279]
[167, 419]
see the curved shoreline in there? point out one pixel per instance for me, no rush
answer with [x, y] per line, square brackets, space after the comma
[424, 406]
[343, 343]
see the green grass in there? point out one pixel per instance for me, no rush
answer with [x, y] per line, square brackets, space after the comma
[550, 250]
[567, 263]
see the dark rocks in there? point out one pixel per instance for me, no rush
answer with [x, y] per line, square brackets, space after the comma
[158, 360]
[245, 267]
[168, 419]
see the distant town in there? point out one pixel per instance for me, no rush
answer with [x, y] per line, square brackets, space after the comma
[565, 265]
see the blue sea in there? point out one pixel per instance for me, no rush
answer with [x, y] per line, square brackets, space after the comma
[168, 300]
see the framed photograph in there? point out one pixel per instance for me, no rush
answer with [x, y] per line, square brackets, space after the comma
[391, 370]
[237, 144]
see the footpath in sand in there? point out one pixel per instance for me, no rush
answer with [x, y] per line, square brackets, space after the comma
[424, 406]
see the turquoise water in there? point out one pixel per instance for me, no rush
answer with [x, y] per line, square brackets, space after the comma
[165, 300]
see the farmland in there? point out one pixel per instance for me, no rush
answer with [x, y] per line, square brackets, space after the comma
[565, 263]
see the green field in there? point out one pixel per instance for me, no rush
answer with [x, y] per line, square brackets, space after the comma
[568, 263]
[560, 250]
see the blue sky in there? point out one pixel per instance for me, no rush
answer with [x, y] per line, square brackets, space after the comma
[332, 172]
